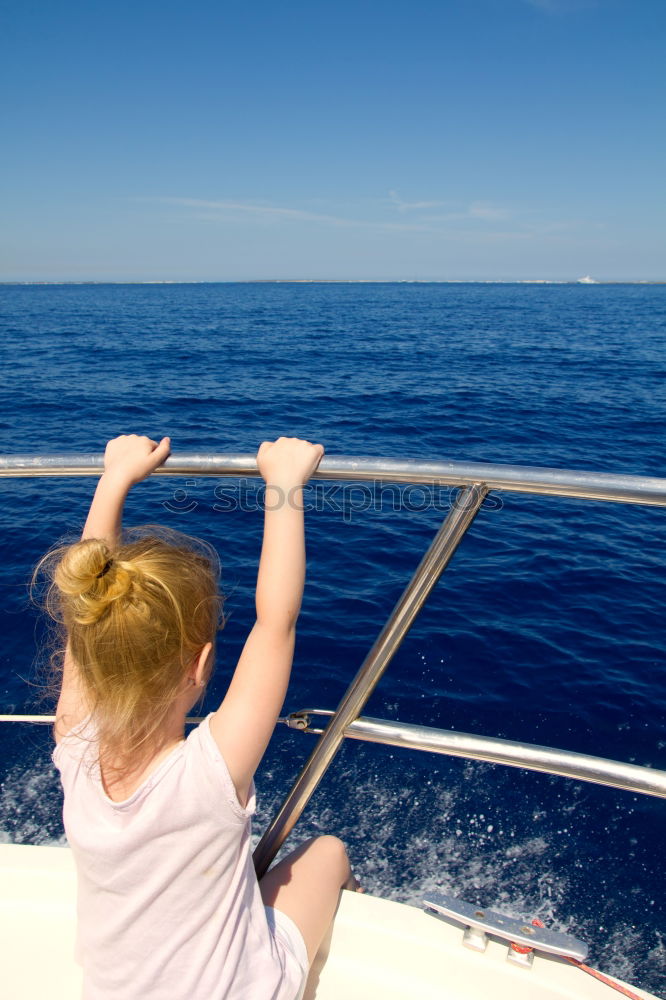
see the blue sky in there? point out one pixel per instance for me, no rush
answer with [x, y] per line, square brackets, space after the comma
[457, 139]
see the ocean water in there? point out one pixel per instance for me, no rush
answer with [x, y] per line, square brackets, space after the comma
[547, 627]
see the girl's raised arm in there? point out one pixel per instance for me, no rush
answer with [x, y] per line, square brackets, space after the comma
[243, 724]
[127, 460]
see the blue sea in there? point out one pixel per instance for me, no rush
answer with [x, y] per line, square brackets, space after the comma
[547, 627]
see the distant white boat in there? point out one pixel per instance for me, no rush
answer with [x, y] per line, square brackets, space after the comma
[587, 280]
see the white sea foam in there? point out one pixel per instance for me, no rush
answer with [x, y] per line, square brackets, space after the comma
[31, 806]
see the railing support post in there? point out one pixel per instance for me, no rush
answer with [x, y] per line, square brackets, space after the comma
[466, 505]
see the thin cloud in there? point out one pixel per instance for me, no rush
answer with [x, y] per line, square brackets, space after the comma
[258, 211]
[478, 210]
[479, 219]
[412, 206]
[225, 210]
[487, 212]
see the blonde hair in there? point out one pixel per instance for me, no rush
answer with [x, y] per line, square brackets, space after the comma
[135, 617]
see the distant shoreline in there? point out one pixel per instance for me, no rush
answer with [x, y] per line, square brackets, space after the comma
[347, 281]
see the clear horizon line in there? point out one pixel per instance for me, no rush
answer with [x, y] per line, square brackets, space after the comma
[339, 281]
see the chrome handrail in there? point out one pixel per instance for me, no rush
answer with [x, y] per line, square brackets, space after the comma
[511, 478]
[491, 750]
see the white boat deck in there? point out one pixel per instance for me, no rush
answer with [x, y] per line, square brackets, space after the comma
[377, 948]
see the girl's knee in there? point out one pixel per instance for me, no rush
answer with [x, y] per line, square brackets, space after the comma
[333, 854]
[331, 845]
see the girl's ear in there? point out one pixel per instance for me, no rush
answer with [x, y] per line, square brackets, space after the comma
[202, 665]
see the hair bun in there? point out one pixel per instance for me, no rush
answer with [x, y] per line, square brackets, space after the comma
[89, 579]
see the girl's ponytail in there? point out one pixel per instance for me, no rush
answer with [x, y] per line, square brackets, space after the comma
[89, 579]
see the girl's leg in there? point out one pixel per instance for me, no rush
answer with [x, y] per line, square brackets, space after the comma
[306, 886]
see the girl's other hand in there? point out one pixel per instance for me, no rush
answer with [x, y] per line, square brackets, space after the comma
[131, 458]
[288, 461]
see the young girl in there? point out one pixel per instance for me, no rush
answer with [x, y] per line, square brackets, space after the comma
[169, 906]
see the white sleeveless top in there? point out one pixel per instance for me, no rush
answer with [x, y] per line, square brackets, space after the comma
[168, 902]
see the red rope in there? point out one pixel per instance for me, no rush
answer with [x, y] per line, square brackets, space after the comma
[604, 979]
[519, 949]
[593, 972]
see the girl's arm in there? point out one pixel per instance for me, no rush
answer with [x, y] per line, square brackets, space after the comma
[243, 724]
[127, 460]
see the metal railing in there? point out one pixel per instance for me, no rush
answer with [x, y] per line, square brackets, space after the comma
[474, 481]
[512, 478]
[565, 763]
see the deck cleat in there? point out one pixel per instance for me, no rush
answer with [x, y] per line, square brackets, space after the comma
[523, 939]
